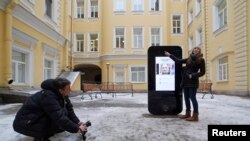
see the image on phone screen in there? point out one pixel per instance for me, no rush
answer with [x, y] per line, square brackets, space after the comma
[164, 74]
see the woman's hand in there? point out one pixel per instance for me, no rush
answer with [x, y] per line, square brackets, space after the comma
[167, 53]
[190, 76]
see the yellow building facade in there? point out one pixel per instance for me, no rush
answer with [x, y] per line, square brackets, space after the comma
[111, 38]
[221, 29]
[33, 42]
[107, 40]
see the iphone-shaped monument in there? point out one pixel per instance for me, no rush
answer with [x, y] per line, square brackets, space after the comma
[164, 78]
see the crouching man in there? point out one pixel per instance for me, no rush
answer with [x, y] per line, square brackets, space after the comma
[48, 112]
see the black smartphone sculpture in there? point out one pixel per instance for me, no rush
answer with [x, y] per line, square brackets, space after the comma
[164, 78]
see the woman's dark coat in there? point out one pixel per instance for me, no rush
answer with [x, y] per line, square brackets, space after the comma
[45, 113]
[195, 69]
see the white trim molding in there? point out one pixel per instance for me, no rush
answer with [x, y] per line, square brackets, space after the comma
[28, 18]
[48, 49]
[23, 37]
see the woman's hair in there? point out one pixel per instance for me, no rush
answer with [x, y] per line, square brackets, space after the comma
[60, 83]
[195, 58]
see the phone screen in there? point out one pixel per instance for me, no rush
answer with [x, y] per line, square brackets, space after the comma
[164, 74]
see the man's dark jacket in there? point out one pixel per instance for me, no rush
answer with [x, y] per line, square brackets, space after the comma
[45, 113]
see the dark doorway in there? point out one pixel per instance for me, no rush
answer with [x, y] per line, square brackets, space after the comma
[89, 73]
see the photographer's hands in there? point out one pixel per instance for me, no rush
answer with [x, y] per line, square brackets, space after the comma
[82, 127]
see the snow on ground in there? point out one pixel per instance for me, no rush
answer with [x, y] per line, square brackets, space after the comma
[126, 118]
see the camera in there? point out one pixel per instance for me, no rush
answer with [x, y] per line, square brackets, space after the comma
[88, 123]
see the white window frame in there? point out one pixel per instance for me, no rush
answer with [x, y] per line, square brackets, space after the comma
[199, 37]
[120, 37]
[137, 74]
[93, 8]
[223, 69]
[190, 16]
[77, 42]
[79, 10]
[28, 62]
[117, 79]
[51, 14]
[176, 22]
[137, 5]
[137, 39]
[119, 5]
[52, 69]
[190, 42]
[32, 1]
[16, 72]
[54, 11]
[155, 40]
[153, 8]
[198, 7]
[217, 24]
[95, 42]
[119, 68]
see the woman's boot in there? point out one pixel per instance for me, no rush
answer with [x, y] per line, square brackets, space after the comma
[193, 118]
[187, 115]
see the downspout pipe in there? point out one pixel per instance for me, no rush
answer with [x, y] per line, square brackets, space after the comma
[8, 40]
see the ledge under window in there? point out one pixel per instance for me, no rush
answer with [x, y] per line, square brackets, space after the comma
[220, 30]
[119, 12]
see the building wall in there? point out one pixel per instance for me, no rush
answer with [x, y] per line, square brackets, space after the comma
[1, 46]
[175, 7]
[241, 46]
[229, 41]
[125, 58]
[197, 23]
[5, 9]
[248, 50]
[232, 42]
[38, 50]
[34, 35]
[220, 43]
